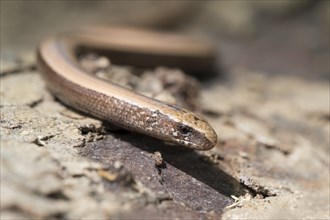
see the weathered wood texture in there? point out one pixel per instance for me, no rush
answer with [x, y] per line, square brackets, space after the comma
[272, 160]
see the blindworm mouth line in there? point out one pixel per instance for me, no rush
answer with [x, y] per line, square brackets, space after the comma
[58, 65]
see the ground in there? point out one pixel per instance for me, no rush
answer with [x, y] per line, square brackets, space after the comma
[271, 161]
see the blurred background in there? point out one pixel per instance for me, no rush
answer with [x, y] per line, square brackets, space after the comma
[275, 37]
[269, 107]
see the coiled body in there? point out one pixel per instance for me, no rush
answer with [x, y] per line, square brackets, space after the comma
[59, 67]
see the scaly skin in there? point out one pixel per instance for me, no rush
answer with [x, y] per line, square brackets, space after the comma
[110, 102]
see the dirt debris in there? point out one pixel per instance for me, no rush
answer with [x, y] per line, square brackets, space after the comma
[109, 162]
[271, 162]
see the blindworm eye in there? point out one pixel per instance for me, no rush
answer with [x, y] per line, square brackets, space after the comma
[184, 130]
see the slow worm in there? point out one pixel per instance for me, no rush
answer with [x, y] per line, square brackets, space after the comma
[59, 67]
